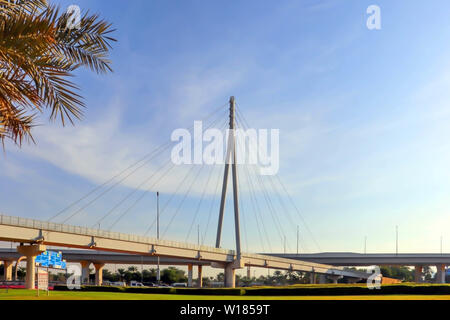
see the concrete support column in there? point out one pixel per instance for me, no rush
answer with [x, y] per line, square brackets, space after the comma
[418, 272]
[353, 280]
[334, 278]
[190, 271]
[200, 276]
[16, 268]
[312, 277]
[85, 272]
[99, 273]
[230, 276]
[249, 273]
[7, 269]
[322, 279]
[31, 252]
[440, 275]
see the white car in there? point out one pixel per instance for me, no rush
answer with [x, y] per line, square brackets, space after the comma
[118, 284]
[136, 284]
[180, 285]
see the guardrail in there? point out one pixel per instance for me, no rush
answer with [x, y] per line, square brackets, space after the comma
[56, 227]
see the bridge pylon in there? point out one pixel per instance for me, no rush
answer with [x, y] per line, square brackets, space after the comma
[230, 159]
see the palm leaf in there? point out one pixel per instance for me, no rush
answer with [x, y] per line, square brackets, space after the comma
[37, 58]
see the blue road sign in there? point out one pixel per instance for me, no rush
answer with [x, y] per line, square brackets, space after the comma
[51, 259]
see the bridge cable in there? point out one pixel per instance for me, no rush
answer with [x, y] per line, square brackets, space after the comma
[181, 184]
[269, 203]
[166, 146]
[201, 199]
[241, 116]
[156, 151]
[299, 213]
[216, 195]
[241, 202]
[257, 209]
[270, 206]
[182, 201]
[199, 203]
[153, 154]
[172, 196]
[261, 228]
[142, 196]
[133, 192]
[285, 209]
[176, 191]
[295, 207]
[129, 195]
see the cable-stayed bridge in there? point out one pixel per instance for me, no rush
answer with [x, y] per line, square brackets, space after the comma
[267, 198]
[38, 234]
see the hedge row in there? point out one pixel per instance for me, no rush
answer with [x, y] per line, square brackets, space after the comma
[410, 289]
[349, 291]
[155, 290]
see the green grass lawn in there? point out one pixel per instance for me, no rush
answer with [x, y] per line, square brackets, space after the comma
[73, 295]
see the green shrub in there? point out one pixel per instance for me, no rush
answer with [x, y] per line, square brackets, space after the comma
[60, 288]
[412, 289]
[148, 290]
[298, 290]
[211, 291]
[91, 288]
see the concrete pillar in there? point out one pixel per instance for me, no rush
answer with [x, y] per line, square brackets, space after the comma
[322, 279]
[200, 276]
[230, 276]
[85, 272]
[353, 280]
[418, 272]
[16, 268]
[312, 277]
[440, 275]
[334, 278]
[190, 269]
[99, 273]
[249, 273]
[7, 269]
[31, 252]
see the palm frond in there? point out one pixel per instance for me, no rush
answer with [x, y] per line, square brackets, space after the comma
[37, 58]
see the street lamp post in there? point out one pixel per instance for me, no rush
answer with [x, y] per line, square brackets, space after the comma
[396, 240]
[158, 272]
[365, 244]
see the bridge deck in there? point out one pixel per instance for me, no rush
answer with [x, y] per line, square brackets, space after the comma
[25, 230]
[370, 259]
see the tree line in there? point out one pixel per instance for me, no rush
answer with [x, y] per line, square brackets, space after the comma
[172, 275]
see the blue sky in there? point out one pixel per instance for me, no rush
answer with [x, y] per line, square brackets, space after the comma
[363, 117]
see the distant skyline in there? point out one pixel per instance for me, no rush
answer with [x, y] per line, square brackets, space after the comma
[363, 116]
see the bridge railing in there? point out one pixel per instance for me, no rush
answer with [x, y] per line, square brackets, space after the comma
[56, 227]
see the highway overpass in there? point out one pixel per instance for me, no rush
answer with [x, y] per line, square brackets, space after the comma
[370, 259]
[77, 256]
[98, 259]
[34, 235]
[418, 260]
